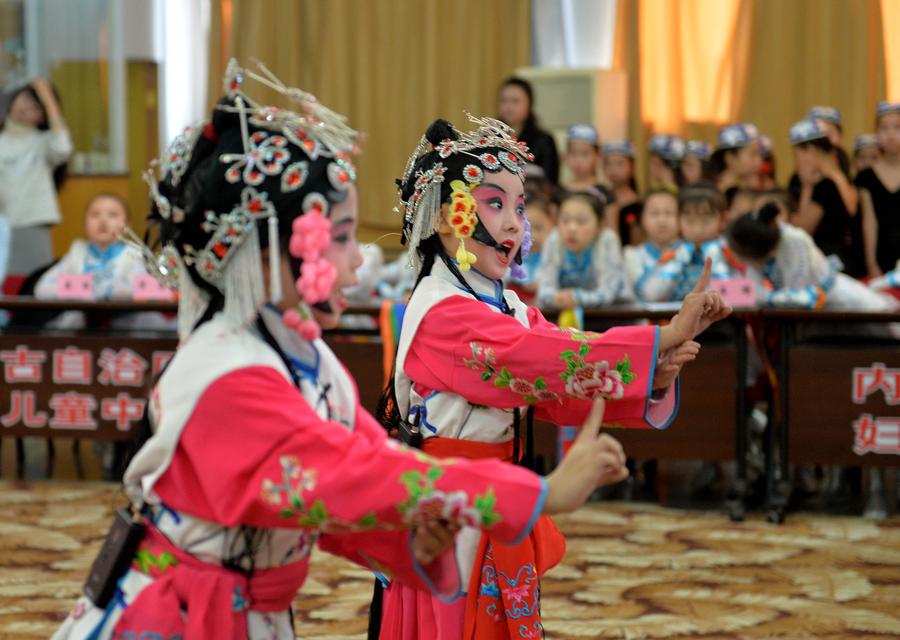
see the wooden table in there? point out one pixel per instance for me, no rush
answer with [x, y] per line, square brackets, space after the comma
[813, 421]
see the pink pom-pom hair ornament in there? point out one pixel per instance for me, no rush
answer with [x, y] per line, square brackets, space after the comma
[305, 327]
[311, 235]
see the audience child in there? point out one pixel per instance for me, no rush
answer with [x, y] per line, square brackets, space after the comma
[737, 160]
[879, 187]
[785, 257]
[581, 260]
[829, 119]
[102, 254]
[701, 219]
[652, 268]
[582, 157]
[695, 166]
[827, 199]
[618, 166]
[666, 154]
[111, 263]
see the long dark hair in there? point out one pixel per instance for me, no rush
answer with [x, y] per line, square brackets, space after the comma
[60, 172]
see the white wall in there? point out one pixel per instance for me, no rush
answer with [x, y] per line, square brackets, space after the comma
[573, 33]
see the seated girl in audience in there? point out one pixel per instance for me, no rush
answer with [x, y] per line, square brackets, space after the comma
[540, 214]
[102, 254]
[652, 268]
[701, 219]
[791, 271]
[618, 166]
[111, 263]
[865, 151]
[827, 199]
[666, 153]
[695, 165]
[736, 160]
[581, 260]
[879, 187]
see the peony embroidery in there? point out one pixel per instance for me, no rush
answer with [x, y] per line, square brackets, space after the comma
[425, 502]
[584, 380]
[590, 380]
[484, 361]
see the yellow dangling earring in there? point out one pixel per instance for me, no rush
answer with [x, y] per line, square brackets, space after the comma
[462, 220]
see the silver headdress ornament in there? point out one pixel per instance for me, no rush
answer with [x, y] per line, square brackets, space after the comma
[422, 211]
[231, 260]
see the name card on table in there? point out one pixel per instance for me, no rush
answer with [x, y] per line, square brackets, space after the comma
[75, 286]
[146, 287]
[736, 292]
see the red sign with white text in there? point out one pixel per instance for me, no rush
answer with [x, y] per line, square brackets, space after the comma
[89, 386]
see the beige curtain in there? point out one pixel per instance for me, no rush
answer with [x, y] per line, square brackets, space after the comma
[391, 65]
[808, 52]
[890, 20]
[694, 64]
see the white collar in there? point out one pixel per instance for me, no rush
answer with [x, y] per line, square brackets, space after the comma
[488, 290]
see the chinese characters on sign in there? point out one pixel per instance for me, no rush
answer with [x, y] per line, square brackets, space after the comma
[98, 388]
[876, 434]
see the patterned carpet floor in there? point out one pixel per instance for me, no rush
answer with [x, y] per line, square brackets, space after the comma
[631, 571]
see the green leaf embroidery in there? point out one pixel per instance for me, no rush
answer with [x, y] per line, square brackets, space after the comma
[296, 502]
[286, 513]
[568, 354]
[485, 376]
[501, 382]
[316, 515]
[540, 383]
[484, 504]
[435, 472]
[146, 559]
[584, 349]
[368, 521]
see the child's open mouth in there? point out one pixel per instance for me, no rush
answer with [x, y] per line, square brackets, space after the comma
[503, 250]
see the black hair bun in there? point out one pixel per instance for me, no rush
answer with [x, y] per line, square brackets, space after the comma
[768, 212]
[225, 118]
[440, 130]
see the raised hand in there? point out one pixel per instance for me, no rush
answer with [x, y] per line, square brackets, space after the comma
[593, 461]
[670, 365]
[700, 309]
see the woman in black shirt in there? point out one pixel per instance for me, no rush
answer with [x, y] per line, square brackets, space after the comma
[514, 108]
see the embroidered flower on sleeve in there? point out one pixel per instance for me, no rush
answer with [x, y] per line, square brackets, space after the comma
[484, 360]
[425, 502]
